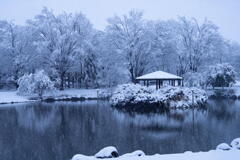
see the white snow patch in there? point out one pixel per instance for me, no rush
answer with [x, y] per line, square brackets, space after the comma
[137, 153]
[11, 97]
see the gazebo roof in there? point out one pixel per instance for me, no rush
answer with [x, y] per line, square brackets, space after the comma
[158, 75]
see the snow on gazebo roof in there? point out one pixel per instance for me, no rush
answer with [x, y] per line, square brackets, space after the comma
[158, 75]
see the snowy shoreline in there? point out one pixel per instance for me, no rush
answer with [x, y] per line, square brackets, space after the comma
[211, 155]
[223, 152]
[10, 97]
[224, 93]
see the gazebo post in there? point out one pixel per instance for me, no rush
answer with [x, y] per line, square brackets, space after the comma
[156, 84]
[144, 82]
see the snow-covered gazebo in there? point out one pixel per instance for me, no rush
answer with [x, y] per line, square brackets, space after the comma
[159, 78]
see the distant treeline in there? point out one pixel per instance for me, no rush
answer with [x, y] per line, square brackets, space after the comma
[75, 54]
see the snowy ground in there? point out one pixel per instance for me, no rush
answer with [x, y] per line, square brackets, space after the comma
[80, 93]
[211, 155]
[11, 97]
[223, 151]
[86, 93]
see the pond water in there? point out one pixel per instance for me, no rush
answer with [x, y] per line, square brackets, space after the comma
[59, 130]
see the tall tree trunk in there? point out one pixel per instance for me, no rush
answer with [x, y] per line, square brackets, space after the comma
[62, 81]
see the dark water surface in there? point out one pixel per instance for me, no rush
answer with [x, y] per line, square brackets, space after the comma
[57, 131]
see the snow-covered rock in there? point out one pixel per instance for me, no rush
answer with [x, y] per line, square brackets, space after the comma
[236, 143]
[107, 152]
[81, 157]
[168, 95]
[137, 153]
[224, 147]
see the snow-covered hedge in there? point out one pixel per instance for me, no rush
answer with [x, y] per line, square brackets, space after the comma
[37, 83]
[168, 96]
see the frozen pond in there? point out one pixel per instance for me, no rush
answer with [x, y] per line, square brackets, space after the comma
[59, 130]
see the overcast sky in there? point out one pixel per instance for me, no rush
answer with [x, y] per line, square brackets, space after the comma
[224, 13]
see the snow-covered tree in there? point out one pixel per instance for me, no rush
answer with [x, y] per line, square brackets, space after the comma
[220, 75]
[196, 41]
[17, 48]
[129, 38]
[74, 54]
[111, 70]
[36, 83]
[164, 48]
[62, 40]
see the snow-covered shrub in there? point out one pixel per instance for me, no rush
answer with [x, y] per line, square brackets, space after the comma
[220, 75]
[169, 96]
[181, 96]
[224, 147]
[133, 93]
[36, 83]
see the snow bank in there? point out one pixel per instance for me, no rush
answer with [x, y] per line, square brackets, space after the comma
[11, 97]
[221, 153]
[168, 96]
[211, 155]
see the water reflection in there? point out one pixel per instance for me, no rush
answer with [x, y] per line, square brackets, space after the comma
[59, 130]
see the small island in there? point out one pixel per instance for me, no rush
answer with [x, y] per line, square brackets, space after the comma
[136, 95]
